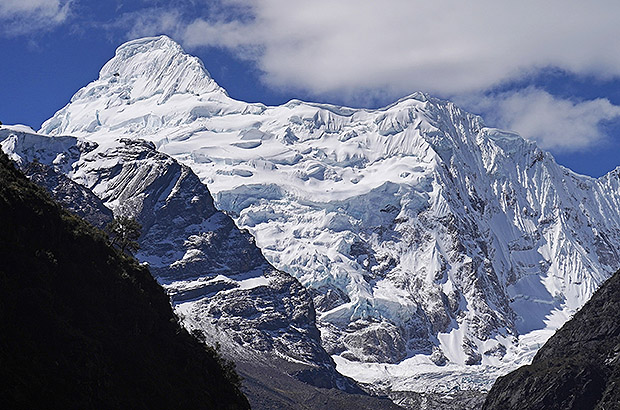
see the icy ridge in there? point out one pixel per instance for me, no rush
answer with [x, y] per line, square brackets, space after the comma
[425, 237]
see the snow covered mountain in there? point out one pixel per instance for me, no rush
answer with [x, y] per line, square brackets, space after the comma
[439, 252]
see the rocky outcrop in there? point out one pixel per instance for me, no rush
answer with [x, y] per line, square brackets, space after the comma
[70, 195]
[86, 327]
[578, 367]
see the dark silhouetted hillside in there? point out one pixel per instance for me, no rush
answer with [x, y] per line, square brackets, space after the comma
[82, 326]
[578, 368]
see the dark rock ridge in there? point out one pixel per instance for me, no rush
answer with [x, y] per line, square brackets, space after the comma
[85, 327]
[578, 367]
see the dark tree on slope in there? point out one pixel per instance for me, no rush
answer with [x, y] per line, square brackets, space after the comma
[124, 233]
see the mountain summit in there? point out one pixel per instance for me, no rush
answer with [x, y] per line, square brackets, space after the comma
[157, 66]
[430, 243]
[151, 70]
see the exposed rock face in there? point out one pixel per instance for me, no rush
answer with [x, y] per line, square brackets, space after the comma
[84, 326]
[220, 285]
[71, 195]
[578, 367]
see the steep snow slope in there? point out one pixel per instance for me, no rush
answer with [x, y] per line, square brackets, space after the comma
[578, 367]
[426, 238]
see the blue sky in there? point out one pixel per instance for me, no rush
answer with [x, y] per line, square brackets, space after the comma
[548, 70]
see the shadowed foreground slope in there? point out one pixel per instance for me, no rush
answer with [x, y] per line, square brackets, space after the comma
[84, 327]
[578, 368]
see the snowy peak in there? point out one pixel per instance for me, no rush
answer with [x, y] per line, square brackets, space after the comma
[157, 65]
[414, 224]
[144, 74]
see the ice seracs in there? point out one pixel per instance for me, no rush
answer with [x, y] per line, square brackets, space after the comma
[426, 238]
[218, 281]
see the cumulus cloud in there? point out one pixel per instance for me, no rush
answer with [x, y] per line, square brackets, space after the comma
[554, 123]
[442, 46]
[19, 17]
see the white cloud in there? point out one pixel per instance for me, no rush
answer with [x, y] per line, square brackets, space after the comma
[445, 47]
[149, 22]
[19, 17]
[556, 124]
[364, 50]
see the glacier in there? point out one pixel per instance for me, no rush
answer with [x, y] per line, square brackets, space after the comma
[440, 253]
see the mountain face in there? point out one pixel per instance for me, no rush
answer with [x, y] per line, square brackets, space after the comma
[84, 327]
[221, 286]
[430, 244]
[193, 250]
[578, 367]
[70, 195]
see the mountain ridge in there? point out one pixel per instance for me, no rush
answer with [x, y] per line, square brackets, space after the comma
[414, 226]
[221, 287]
